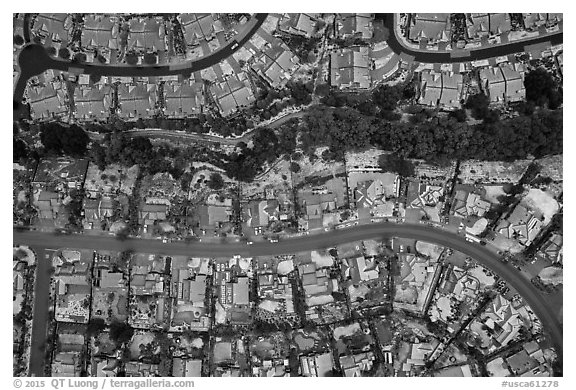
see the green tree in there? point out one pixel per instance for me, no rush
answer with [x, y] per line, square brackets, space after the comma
[295, 167]
[121, 332]
[19, 149]
[478, 103]
[150, 58]
[64, 53]
[216, 181]
[460, 115]
[98, 155]
[95, 326]
[395, 163]
[542, 89]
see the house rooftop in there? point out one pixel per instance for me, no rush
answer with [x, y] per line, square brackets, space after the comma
[146, 34]
[350, 69]
[349, 25]
[100, 31]
[435, 27]
[487, 24]
[55, 25]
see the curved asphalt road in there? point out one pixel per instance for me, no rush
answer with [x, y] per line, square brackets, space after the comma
[377, 230]
[483, 53]
[34, 59]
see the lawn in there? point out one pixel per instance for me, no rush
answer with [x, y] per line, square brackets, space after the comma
[348, 330]
[304, 342]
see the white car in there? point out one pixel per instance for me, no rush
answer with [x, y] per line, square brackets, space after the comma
[250, 243]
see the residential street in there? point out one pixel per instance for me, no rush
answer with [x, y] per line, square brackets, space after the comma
[483, 53]
[40, 314]
[530, 293]
[33, 60]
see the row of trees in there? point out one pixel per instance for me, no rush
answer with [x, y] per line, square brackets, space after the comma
[437, 140]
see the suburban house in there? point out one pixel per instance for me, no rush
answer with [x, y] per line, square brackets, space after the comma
[109, 292]
[499, 324]
[355, 365]
[482, 25]
[61, 172]
[100, 32]
[372, 192]
[232, 94]
[421, 194]
[261, 212]
[231, 293]
[189, 294]
[359, 269]
[522, 225]
[535, 20]
[46, 102]
[297, 24]
[315, 204]
[275, 291]
[66, 364]
[274, 61]
[442, 89]
[350, 68]
[431, 27]
[552, 248]
[529, 361]
[150, 213]
[277, 65]
[54, 26]
[92, 102]
[73, 287]
[504, 83]
[137, 100]
[467, 204]
[149, 304]
[53, 182]
[354, 26]
[97, 210]
[183, 367]
[105, 367]
[183, 99]
[140, 369]
[317, 366]
[146, 35]
[317, 284]
[199, 26]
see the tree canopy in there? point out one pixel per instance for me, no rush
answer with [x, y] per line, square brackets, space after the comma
[121, 332]
[216, 181]
[478, 104]
[395, 163]
[58, 138]
[542, 89]
[19, 149]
